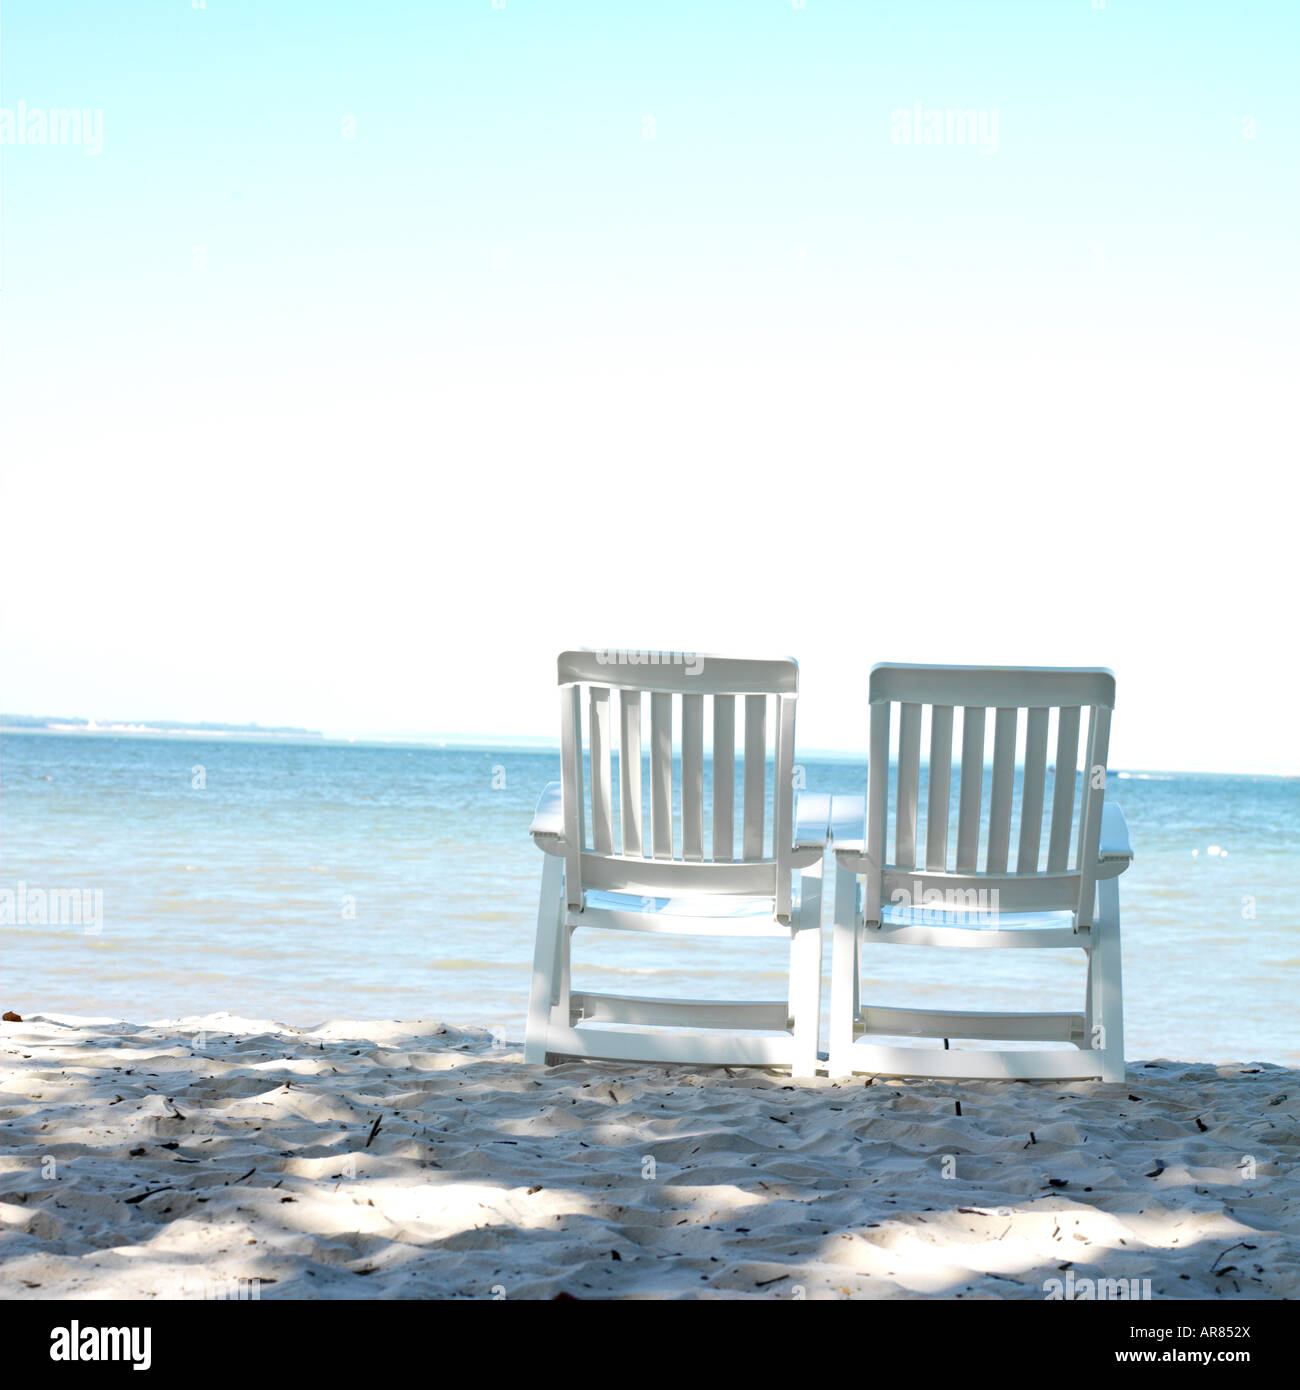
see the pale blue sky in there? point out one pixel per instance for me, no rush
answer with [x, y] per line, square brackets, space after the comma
[379, 355]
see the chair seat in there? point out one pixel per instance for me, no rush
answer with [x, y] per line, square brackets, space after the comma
[896, 915]
[938, 926]
[697, 905]
[698, 915]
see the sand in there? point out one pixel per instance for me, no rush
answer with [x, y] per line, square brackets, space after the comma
[230, 1157]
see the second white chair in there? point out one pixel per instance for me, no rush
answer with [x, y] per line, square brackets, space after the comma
[928, 895]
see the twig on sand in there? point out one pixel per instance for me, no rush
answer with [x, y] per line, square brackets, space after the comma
[152, 1192]
[1240, 1244]
[374, 1129]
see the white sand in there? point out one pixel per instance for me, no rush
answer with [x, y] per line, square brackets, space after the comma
[488, 1178]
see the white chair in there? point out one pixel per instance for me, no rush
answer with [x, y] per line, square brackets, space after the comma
[947, 899]
[677, 879]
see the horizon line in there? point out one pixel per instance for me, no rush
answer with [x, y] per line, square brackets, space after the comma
[523, 743]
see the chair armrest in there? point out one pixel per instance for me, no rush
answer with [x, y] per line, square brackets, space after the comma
[548, 819]
[849, 823]
[812, 819]
[1114, 842]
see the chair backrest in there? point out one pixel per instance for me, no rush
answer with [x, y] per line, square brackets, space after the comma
[971, 867]
[688, 843]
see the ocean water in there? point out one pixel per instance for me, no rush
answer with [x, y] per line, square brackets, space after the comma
[310, 880]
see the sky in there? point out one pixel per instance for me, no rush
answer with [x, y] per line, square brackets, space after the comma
[357, 359]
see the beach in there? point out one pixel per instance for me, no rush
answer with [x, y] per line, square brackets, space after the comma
[227, 1157]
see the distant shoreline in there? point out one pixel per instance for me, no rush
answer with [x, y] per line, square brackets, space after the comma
[162, 729]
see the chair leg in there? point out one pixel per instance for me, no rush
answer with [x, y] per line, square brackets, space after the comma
[560, 1001]
[546, 958]
[1106, 973]
[806, 973]
[1088, 1007]
[844, 969]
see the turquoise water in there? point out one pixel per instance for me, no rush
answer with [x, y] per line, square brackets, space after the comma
[314, 880]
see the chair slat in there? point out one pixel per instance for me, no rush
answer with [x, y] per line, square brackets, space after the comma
[877, 803]
[571, 777]
[783, 803]
[1094, 796]
[972, 788]
[602, 820]
[724, 777]
[661, 774]
[1067, 765]
[909, 775]
[1004, 771]
[937, 798]
[755, 775]
[693, 777]
[1031, 792]
[1089, 762]
[629, 768]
